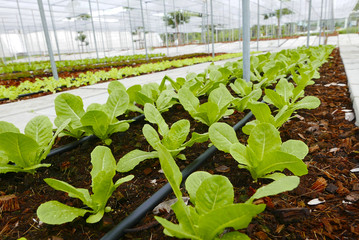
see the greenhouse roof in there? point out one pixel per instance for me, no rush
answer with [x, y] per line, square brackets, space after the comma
[23, 15]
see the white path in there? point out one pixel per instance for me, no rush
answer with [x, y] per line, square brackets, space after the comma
[19, 113]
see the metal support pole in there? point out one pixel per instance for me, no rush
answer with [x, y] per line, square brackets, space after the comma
[93, 30]
[23, 32]
[99, 19]
[258, 26]
[279, 27]
[212, 29]
[166, 35]
[129, 17]
[54, 28]
[246, 40]
[320, 21]
[207, 39]
[308, 25]
[239, 24]
[47, 37]
[144, 30]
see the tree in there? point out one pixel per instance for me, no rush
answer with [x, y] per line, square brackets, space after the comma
[277, 14]
[82, 38]
[174, 19]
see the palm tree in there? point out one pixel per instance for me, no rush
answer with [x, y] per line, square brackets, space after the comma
[174, 19]
[278, 14]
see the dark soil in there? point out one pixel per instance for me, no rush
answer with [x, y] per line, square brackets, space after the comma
[332, 140]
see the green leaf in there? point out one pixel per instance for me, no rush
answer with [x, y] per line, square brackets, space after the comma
[238, 152]
[19, 149]
[174, 230]
[154, 116]
[123, 180]
[116, 105]
[196, 138]
[133, 158]
[40, 129]
[8, 127]
[234, 236]
[186, 216]
[176, 135]
[274, 98]
[114, 86]
[54, 212]
[132, 92]
[214, 192]
[209, 113]
[264, 138]
[193, 182]
[215, 75]
[98, 121]
[296, 148]
[285, 89]
[102, 160]
[4, 168]
[278, 161]
[94, 218]
[170, 169]
[73, 192]
[237, 216]
[151, 135]
[262, 112]
[222, 136]
[102, 188]
[283, 184]
[309, 102]
[69, 106]
[221, 97]
[189, 102]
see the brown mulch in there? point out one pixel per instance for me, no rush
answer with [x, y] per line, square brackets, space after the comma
[333, 142]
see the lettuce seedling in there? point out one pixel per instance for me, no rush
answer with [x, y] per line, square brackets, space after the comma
[265, 154]
[246, 92]
[174, 139]
[26, 151]
[99, 119]
[263, 114]
[102, 173]
[210, 112]
[212, 197]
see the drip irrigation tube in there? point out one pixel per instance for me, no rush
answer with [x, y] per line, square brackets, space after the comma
[118, 231]
[74, 144]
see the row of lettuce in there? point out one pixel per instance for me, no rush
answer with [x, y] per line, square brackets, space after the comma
[49, 84]
[282, 77]
[43, 65]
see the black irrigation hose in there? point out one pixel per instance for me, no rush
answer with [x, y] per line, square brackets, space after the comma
[118, 231]
[73, 145]
[22, 95]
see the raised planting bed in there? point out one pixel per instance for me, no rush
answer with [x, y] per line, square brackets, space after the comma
[332, 140]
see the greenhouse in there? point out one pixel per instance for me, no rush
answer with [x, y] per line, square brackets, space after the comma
[192, 119]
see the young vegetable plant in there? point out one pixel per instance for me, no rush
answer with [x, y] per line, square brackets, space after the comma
[26, 151]
[288, 95]
[263, 114]
[99, 119]
[246, 92]
[210, 112]
[212, 197]
[102, 173]
[174, 139]
[265, 154]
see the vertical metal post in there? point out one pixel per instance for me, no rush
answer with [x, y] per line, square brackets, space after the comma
[212, 29]
[308, 25]
[332, 16]
[258, 26]
[93, 30]
[320, 21]
[3, 52]
[47, 37]
[166, 35]
[99, 19]
[23, 32]
[239, 24]
[279, 27]
[144, 30]
[54, 28]
[129, 17]
[207, 39]
[246, 40]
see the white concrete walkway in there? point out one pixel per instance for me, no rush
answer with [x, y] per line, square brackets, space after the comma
[19, 113]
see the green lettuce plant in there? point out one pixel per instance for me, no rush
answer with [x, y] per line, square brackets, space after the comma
[210, 112]
[102, 173]
[246, 94]
[265, 156]
[214, 209]
[99, 119]
[24, 152]
[174, 139]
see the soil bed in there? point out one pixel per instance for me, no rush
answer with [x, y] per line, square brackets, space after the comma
[332, 140]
